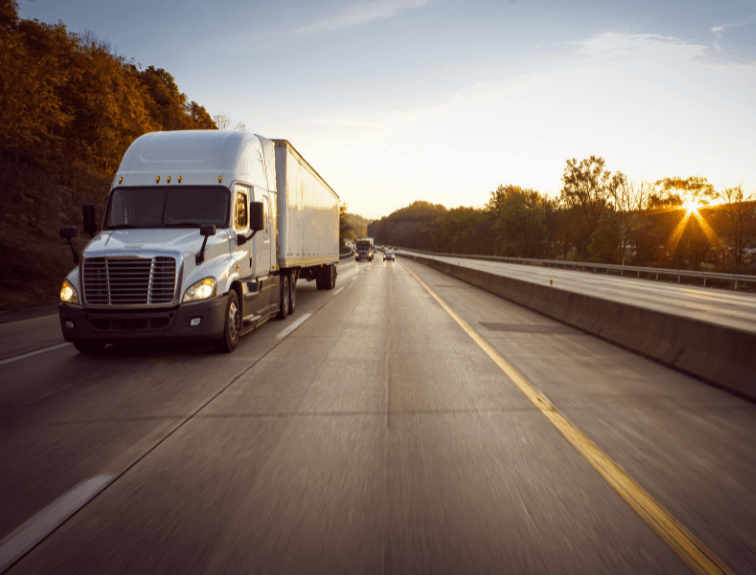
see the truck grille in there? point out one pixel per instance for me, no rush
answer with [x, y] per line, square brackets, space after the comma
[121, 281]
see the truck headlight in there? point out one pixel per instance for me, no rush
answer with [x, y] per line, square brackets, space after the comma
[203, 289]
[68, 293]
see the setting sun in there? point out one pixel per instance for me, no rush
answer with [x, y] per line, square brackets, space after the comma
[691, 205]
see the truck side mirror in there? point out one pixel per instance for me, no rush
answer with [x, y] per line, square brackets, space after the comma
[256, 221]
[256, 216]
[69, 233]
[90, 226]
[206, 230]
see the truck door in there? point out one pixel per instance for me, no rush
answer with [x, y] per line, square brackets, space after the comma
[241, 227]
[262, 239]
[261, 260]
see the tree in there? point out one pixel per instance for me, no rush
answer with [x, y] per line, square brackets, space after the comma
[630, 199]
[31, 77]
[606, 238]
[465, 231]
[690, 241]
[739, 225]
[588, 186]
[222, 121]
[345, 228]
[520, 221]
[200, 117]
[695, 189]
[410, 227]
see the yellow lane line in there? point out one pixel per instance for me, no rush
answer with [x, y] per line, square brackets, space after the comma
[695, 554]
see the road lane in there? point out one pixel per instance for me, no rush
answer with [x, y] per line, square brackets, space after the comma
[66, 417]
[687, 443]
[376, 438]
[713, 305]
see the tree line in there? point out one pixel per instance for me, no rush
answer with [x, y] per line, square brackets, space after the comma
[599, 216]
[70, 99]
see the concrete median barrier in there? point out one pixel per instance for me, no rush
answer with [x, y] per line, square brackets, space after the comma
[716, 353]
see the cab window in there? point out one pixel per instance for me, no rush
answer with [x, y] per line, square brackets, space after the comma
[240, 211]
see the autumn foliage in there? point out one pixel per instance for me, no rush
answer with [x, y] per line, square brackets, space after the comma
[69, 109]
[69, 97]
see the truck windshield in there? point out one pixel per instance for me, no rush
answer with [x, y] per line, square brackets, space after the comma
[179, 206]
[363, 246]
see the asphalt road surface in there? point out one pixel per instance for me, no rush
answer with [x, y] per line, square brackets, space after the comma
[719, 306]
[374, 431]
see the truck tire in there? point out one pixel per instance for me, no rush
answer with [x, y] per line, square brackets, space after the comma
[331, 277]
[231, 326]
[89, 346]
[292, 293]
[320, 279]
[283, 309]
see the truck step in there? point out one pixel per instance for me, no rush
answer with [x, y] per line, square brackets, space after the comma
[250, 319]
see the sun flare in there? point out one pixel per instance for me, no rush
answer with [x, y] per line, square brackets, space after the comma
[691, 205]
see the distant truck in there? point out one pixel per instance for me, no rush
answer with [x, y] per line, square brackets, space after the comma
[205, 235]
[365, 249]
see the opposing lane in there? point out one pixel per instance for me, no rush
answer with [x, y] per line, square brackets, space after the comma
[712, 305]
[376, 437]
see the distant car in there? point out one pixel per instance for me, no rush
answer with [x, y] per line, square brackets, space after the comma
[388, 256]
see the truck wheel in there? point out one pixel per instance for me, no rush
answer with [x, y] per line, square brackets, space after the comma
[292, 293]
[89, 346]
[232, 325]
[320, 279]
[331, 277]
[284, 309]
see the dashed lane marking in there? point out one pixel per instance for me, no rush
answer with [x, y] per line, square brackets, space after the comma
[338, 291]
[46, 521]
[294, 326]
[695, 554]
[36, 352]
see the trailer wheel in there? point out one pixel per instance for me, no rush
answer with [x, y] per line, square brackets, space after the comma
[284, 309]
[320, 279]
[292, 293]
[89, 346]
[232, 325]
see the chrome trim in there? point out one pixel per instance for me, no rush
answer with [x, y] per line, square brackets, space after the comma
[135, 282]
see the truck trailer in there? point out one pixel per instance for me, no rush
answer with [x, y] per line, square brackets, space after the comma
[204, 237]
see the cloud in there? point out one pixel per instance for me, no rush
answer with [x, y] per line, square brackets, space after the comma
[359, 14]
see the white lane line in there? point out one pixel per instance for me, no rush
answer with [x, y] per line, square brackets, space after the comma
[338, 291]
[47, 520]
[294, 326]
[31, 353]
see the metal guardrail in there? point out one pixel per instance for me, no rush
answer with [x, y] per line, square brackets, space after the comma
[584, 266]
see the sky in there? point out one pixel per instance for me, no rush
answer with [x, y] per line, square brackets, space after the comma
[394, 101]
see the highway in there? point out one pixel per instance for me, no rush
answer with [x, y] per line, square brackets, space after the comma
[718, 306]
[405, 422]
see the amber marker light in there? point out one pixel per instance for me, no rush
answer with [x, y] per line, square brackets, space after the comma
[157, 180]
[179, 179]
[220, 179]
[168, 179]
[120, 180]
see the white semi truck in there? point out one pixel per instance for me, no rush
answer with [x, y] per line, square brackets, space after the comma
[205, 235]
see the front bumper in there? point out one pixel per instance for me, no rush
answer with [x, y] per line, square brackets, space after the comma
[79, 323]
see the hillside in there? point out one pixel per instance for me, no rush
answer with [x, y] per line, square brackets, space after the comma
[359, 224]
[34, 259]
